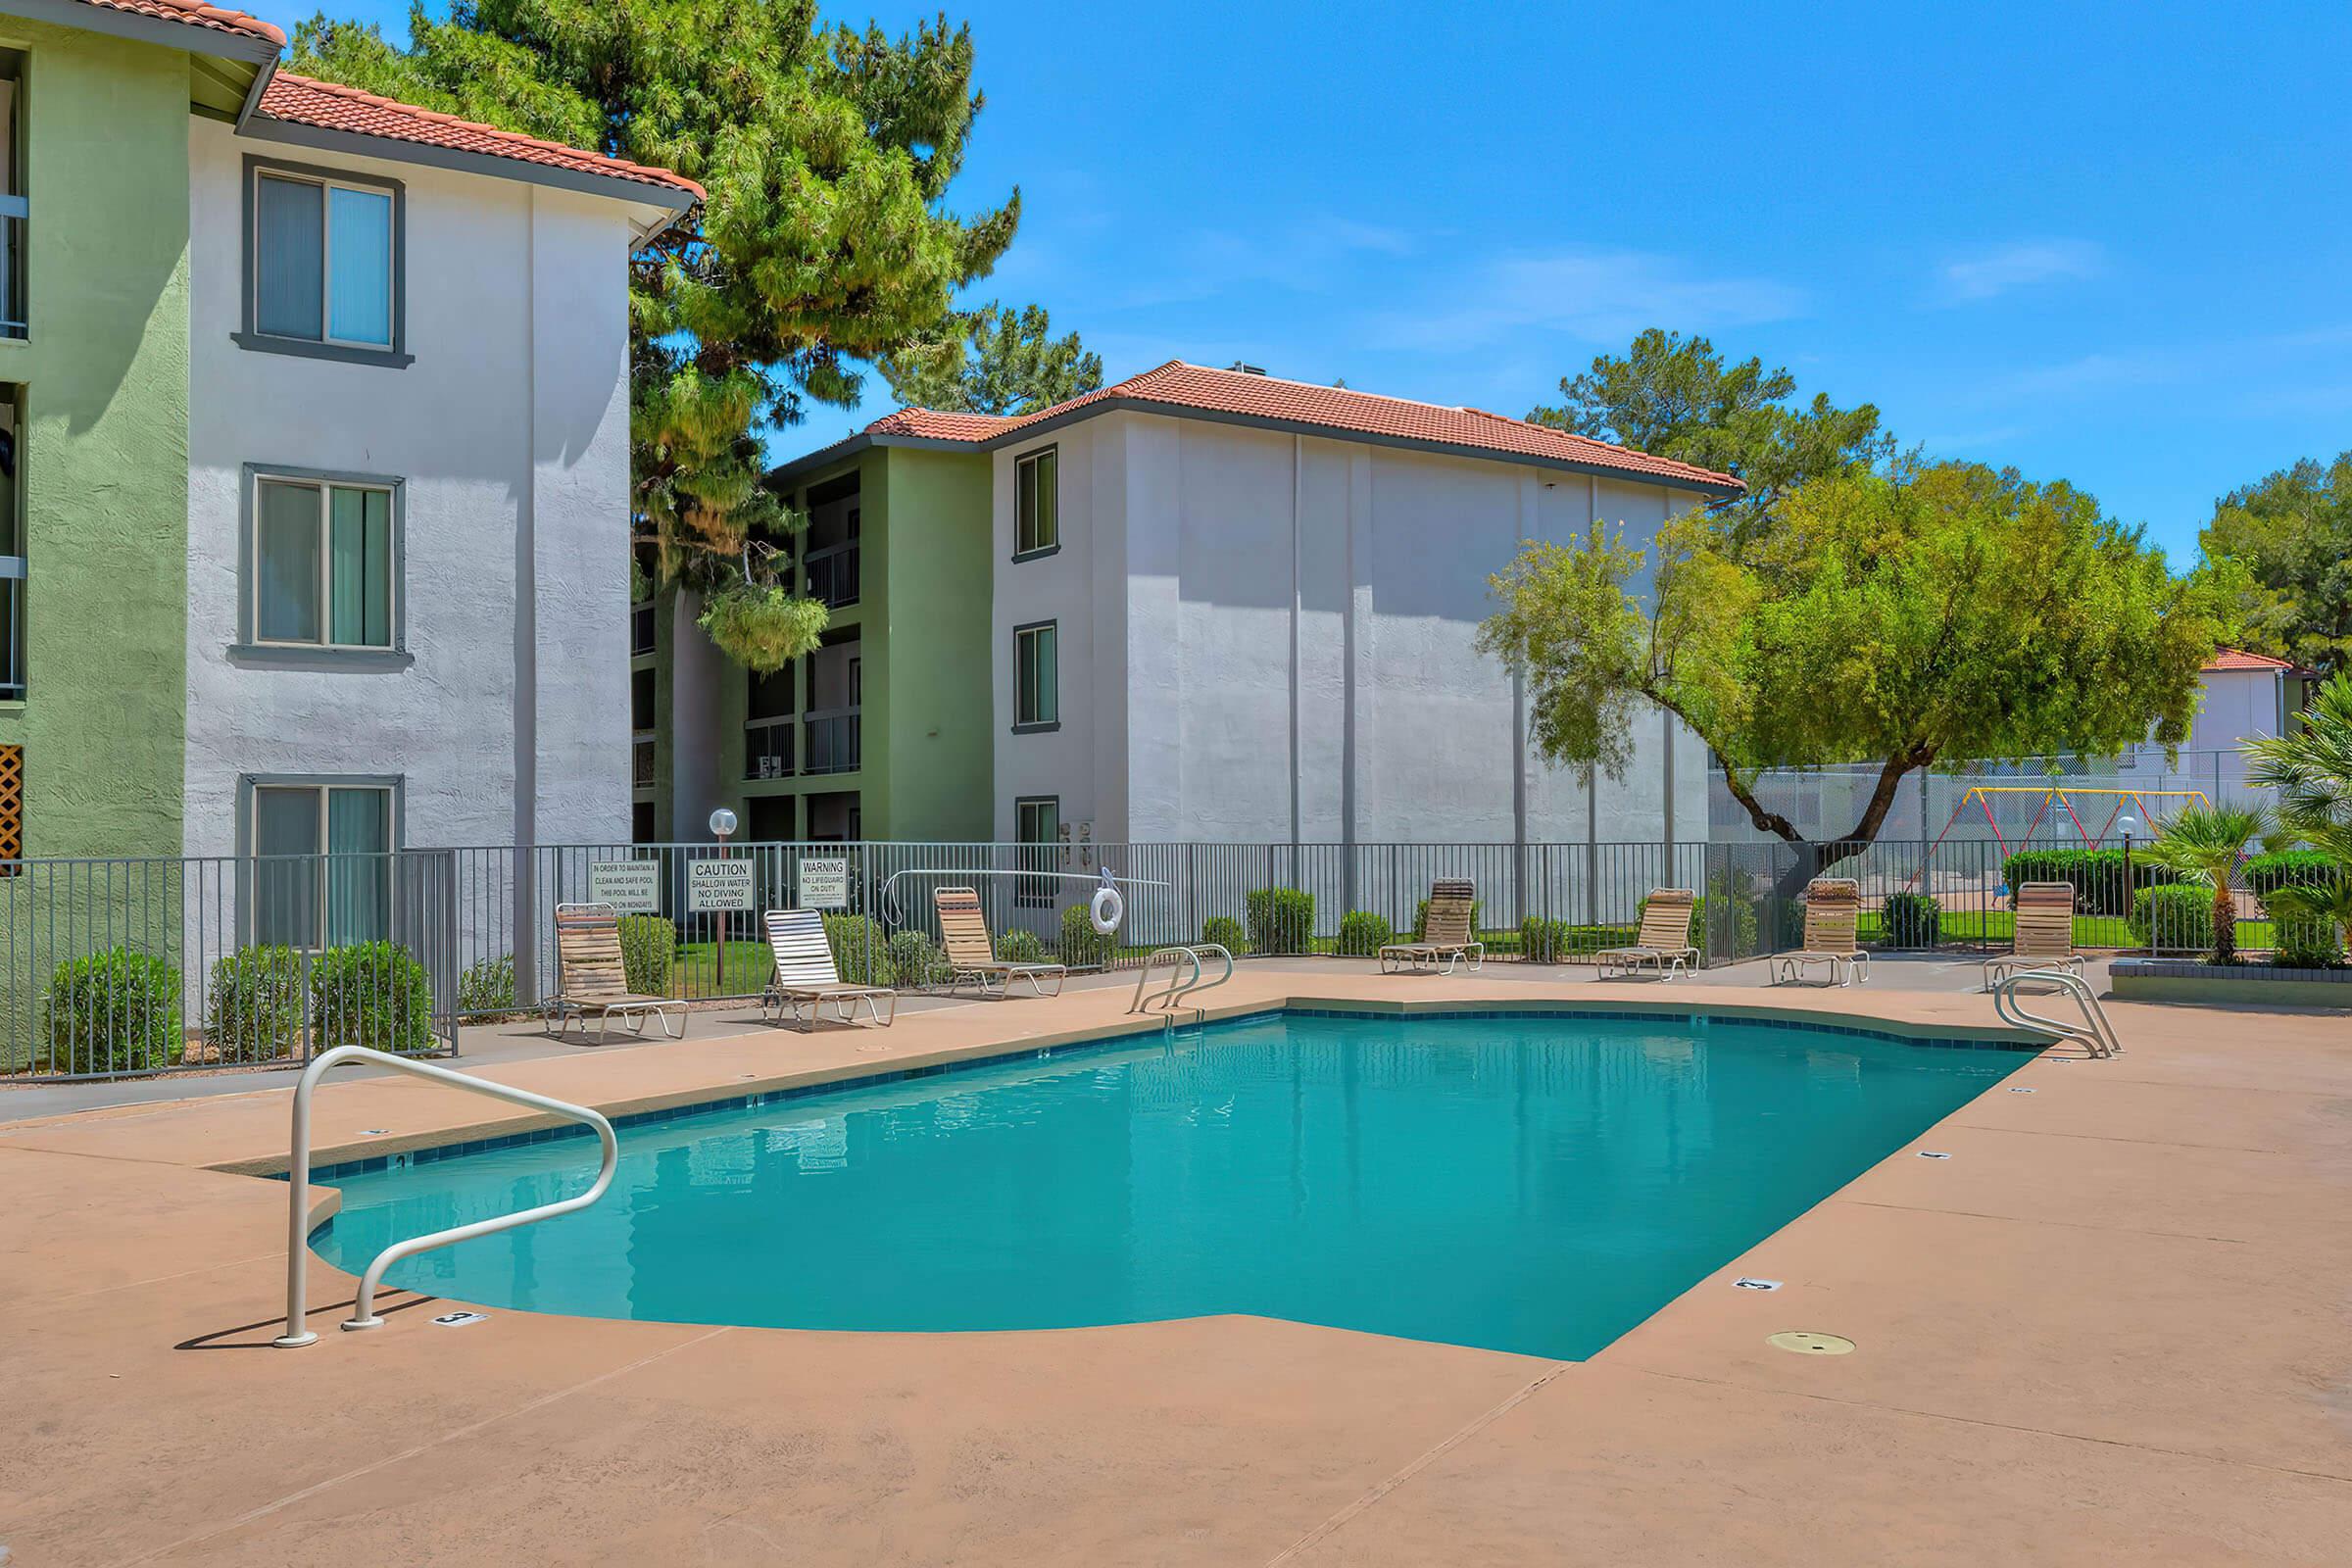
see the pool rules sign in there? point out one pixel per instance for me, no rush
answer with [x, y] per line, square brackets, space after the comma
[719, 887]
[825, 883]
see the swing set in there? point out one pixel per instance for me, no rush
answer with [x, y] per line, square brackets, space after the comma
[2064, 799]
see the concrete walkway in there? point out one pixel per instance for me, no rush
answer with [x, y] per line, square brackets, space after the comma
[2111, 1327]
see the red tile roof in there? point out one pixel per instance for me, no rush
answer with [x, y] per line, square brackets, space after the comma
[2240, 659]
[330, 106]
[197, 15]
[1181, 386]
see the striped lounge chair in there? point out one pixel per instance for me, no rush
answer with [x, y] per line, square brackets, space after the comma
[972, 957]
[2044, 934]
[1832, 914]
[591, 980]
[1445, 935]
[1663, 944]
[807, 978]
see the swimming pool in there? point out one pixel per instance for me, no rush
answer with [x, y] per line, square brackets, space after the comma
[1530, 1183]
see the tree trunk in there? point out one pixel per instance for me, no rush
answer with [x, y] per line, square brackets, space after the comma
[1816, 857]
[2225, 922]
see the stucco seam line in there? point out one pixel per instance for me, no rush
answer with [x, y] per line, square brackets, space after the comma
[1773, 1391]
[49, 1303]
[1428, 1457]
[414, 1449]
[2038, 1219]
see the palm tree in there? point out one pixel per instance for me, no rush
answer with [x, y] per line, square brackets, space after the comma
[2205, 844]
[2312, 770]
[2326, 903]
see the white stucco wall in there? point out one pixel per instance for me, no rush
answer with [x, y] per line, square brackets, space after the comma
[1287, 650]
[509, 433]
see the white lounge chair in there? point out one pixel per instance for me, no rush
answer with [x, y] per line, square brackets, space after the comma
[806, 977]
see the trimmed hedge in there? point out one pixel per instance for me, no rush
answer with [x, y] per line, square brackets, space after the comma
[1020, 945]
[1281, 919]
[1226, 932]
[861, 953]
[2095, 875]
[2303, 868]
[1910, 920]
[649, 947]
[916, 960]
[1082, 946]
[254, 1010]
[2182, 915]
[373, 994]
[114, 1010]
[1362, 934]
[1542, 941]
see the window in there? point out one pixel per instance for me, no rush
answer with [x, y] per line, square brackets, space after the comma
[1037, 509]
[324, 563]
[1036, 820]
[322, 264]
[1037, 702]
[322, 863]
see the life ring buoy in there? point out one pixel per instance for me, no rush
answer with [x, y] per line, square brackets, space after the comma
[1106, 909]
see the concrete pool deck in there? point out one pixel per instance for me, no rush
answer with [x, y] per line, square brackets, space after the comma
[2113, 1326]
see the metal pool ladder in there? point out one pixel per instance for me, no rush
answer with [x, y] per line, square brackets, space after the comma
[2095, 1032]
[298, 1182]
[1180, 984]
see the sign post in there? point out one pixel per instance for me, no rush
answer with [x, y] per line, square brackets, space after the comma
[719, 877]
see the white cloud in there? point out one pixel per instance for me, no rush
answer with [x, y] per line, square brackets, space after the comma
[1600, 296]
[1984, 274]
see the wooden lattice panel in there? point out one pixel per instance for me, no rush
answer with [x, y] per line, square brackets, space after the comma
[11, 808]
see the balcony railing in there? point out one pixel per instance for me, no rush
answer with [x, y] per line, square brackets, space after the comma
[767, 748]
[832, 573]
[11, 627]
[14, 215]
[833, 742]
[641, 761]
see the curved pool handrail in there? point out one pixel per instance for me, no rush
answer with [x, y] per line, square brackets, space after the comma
[298, 1182]
[1175, 987]
[1198, 983]
[2095, 1032]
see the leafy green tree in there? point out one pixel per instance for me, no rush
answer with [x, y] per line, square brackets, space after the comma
[2205, 844]
[825, 240]
[1943, 610]
[2311, 768]
[1674, 397]
[2288, 539]
[993, 360]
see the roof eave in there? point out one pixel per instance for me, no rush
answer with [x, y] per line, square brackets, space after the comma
[668, 199]
[191, 36]
[794, 468]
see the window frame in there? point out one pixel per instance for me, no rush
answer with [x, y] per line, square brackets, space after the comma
[392, 786]
[251, 647]
[1026, 630]
[1029, 460]
[1036, 892]
[393, 355]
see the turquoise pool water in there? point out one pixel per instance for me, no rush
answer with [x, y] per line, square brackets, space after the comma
[1531, 1184]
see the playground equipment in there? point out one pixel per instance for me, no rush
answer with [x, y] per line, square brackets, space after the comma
[2064, 798]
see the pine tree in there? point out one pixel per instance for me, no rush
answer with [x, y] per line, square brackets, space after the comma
[993, 360]
[825, 239]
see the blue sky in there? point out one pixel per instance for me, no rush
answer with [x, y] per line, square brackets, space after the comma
[2104, 243]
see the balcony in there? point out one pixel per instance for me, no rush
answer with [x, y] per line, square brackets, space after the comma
[12, 629]
[641, 760]
[833, 742]
[767, 748]
[831, 572]
[641, 629]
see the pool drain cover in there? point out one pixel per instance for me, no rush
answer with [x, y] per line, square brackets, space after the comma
[1805, 1344]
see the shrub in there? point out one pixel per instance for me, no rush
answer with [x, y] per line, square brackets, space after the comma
[1020, 945]
[2095, 875]
[916, 960]
[649, 947]
[2177, 916]
[1542, 941]
[1742, 932]
[1910, 920]
[373, 994]
[1281, 919]
[1082, 946]
[1362, 934]
[488, 986]
[113, 1011]
[1226, 933]
[254, 1011]
[861, 953]
[2264, 874]
[1478, 912]
[2307, 944]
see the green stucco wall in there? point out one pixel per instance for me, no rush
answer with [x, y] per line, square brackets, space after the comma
[937, 569]
[103, 380]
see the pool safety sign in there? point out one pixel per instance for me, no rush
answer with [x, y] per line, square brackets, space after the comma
[825, 883]
[719, 887]
[631, 887]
